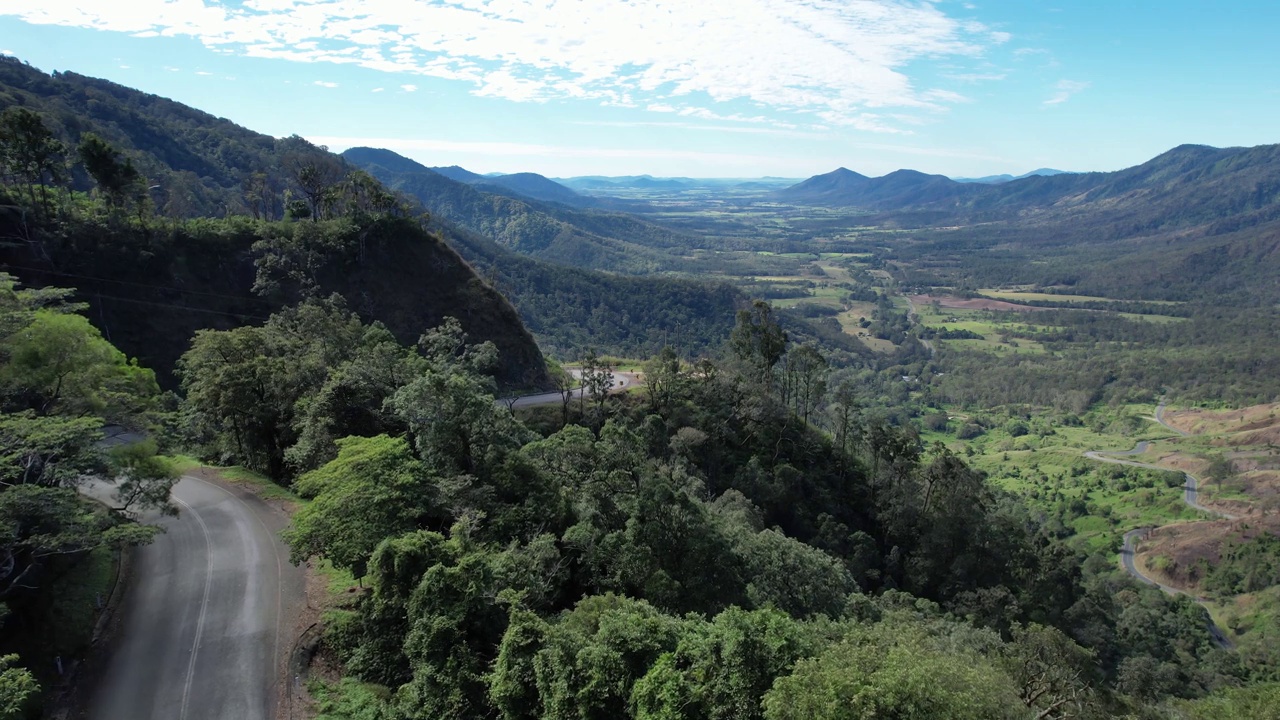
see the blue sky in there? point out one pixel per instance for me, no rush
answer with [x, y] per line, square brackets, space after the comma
[709, 88]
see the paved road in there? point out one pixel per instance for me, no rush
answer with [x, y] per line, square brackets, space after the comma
[1160, 419]
[1190, 489]
[622, 381]
[201, 634]
[1190, 495]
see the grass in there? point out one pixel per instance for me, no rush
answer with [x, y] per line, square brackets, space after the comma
[348, 699]
[1054, 297]
[338, 582]
[1047, 467]
[259, 483]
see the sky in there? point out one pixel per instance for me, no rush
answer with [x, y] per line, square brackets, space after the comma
[699, 88]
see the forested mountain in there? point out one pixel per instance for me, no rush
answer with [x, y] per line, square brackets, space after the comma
[1187, 185]
[1005, 177]
[523, 184]
[453, 172]
[568, 236]
[152, 283]
[200, 162]
[538, 187]
[572, 310]
[200, 275]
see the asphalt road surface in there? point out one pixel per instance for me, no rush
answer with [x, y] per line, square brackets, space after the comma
[622, 381]
[1190, 495]
[204, 621]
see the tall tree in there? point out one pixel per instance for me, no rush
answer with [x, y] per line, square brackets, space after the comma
[758, 341]
[31, 154]
[597, 378]
[116, 177]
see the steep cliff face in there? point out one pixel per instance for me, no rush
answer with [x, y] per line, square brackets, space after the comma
[150, 288]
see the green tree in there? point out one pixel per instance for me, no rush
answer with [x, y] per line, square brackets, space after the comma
[894, 672]
[59, 363]
[721, 670]
[593, 656]
[1220, 469]
[31, 154]
[1256, 702]
[18, 689]
[804, 380]
[662, 379]
[374, 489]
[41, 524]
[1053, 673]
[758, 341]
[116, 177]
[143, 478]
[597, 378]
[244, 385]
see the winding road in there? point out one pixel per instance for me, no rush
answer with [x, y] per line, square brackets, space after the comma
[622, 381]
[204, 625]
[1190, 495]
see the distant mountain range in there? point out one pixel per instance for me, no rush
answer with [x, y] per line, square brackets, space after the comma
[604, 183]
[902, 188]
[546, 229]
[997, 179]
[1187, 185]
[524, 184]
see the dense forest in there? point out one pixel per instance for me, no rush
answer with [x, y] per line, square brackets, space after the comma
[191, 165]
[704, 550]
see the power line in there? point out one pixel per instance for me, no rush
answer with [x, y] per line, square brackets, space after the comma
[245, 316]
[141, 285]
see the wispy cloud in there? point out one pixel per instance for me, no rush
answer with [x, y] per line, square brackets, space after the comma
[1064, 90]
[837, 60]
[325, 84]
[409, 88]
[511, 150]
[739, 129]
[378, 90]
[203, 73]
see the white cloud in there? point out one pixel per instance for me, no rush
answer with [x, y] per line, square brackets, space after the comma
[204, 73]
[785, 130]
[325, 84]
[10, 53]
[977, 77]
[377, 90]
[839, 60]
[409, 88]
[1064, 90]
[506, 149]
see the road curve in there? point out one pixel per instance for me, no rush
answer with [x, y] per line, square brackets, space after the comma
[1167, 426]
[1190, 495]
[622, 381]
[204, 622]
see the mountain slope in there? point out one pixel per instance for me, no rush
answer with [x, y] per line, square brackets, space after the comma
[835, 186]
[151, 284]
[557, 233]
[571, 310]
[1006, 177]
[1188, 185]
[537, 187]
